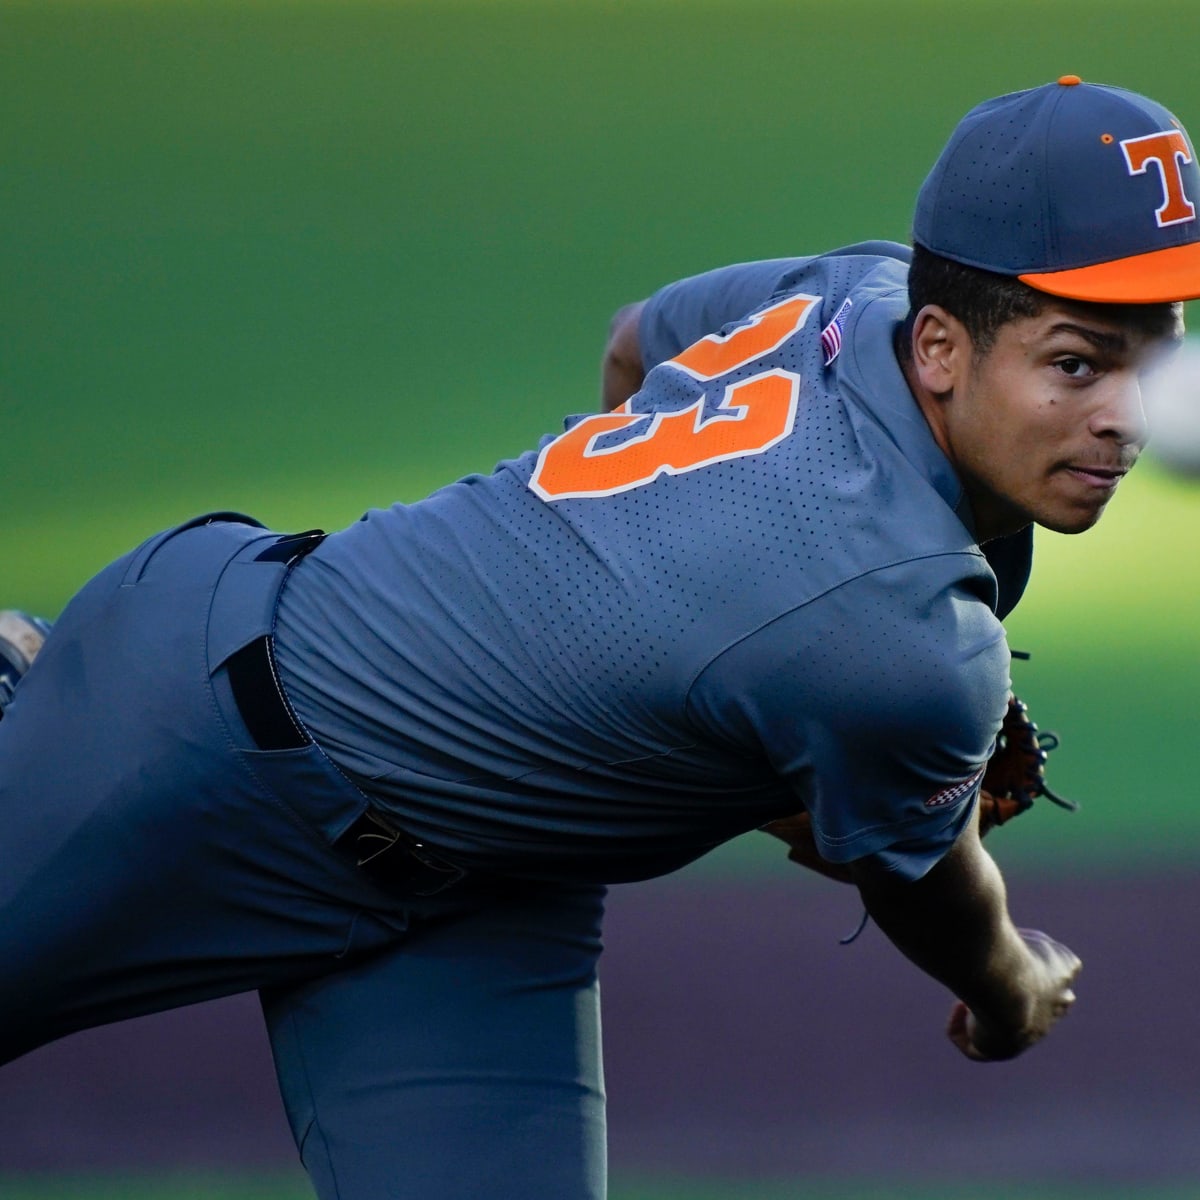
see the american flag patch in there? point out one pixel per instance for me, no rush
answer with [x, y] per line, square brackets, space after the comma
[831, 335]
[955, 792]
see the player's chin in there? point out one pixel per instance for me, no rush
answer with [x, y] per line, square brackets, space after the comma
[1073, 514]
[1071, 522]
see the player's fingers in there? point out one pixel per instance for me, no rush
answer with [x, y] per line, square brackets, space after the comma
[959, 1030]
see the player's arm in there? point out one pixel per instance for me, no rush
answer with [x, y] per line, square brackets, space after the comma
[1012, 985]
[621, 370]
[885, 751]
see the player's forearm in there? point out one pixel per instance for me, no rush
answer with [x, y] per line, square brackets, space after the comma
[954, 925]
[621, 371]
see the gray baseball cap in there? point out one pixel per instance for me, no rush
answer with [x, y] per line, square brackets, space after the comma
[1080, 190]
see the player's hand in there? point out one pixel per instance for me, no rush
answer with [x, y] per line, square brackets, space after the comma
[1044, 996]
[797, 832]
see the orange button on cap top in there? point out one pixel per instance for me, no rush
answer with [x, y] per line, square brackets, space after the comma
[1069, 80]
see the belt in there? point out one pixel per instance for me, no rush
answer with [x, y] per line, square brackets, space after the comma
[395, 860]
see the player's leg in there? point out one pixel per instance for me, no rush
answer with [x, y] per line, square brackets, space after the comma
[464, 1063]
[149, 855]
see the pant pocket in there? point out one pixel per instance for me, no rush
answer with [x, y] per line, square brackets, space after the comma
[140, 558]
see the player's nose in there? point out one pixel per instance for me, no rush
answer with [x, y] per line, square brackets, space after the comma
[1121, 415]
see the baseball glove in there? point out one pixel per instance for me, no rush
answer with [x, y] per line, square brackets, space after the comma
[1012, 780]
[1015, 775]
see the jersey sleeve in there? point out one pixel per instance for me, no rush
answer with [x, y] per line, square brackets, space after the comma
[878, 702]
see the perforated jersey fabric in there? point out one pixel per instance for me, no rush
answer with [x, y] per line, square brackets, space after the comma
[605, 686]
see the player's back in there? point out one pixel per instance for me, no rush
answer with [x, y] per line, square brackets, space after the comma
[519, 649]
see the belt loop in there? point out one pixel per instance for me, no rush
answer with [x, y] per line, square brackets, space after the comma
[291, 547]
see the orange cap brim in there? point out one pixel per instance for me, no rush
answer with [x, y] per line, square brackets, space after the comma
[1160, 277]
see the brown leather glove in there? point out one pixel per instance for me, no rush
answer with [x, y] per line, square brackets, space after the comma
[1016, 773]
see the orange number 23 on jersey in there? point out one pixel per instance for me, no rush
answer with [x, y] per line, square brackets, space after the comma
[753, 415]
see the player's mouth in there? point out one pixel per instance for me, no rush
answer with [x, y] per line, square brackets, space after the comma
[1103, 478]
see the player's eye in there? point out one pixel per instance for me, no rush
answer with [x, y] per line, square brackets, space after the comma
[1075, 368]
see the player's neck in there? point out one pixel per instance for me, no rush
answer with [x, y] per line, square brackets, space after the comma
[989, 520]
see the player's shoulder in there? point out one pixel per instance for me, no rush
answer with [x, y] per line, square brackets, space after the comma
[842, 284]
[833, 274]
[765, 280]
[871, 254]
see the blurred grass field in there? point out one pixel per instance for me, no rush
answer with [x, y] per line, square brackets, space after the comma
[301, 258]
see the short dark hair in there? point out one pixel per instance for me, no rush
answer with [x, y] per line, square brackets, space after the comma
[984, 301]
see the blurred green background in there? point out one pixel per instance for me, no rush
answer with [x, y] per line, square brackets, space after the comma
[304, 258]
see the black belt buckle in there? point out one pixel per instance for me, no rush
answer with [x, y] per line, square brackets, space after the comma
[397, 861]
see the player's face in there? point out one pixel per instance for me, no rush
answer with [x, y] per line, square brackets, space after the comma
[1044, 426]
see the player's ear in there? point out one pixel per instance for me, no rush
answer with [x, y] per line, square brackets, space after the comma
[940, 349]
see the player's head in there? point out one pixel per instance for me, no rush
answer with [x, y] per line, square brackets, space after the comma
[1054, 240]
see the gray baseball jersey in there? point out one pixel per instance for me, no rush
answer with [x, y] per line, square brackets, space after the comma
[754, 587]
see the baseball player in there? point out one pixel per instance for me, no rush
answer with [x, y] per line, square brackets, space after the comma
[383, 776]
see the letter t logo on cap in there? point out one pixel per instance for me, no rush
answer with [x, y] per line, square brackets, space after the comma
[1165, 150]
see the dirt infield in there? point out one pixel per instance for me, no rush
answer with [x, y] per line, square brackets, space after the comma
[741, 1040]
